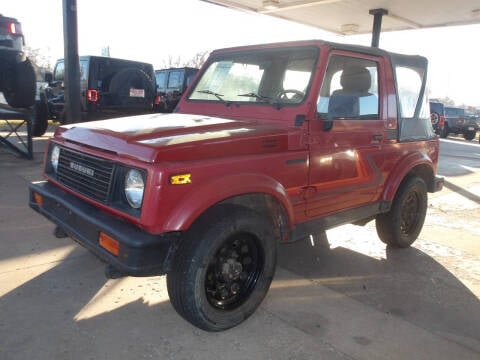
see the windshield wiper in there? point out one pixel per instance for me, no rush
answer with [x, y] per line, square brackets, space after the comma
[256, 96]
[210, 92]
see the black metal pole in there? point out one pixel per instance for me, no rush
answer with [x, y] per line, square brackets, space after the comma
[72, 65]
[377, 25]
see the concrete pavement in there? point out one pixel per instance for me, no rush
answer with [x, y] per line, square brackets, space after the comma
[347, 297]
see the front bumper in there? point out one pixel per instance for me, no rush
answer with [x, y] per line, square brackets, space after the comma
[140, 253]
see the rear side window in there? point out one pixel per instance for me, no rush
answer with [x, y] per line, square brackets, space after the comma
[409, 85]
[413, 107]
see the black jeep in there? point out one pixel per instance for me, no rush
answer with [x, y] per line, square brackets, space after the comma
[17, 75]
[109, 88]
[171, 84]
[457, 122]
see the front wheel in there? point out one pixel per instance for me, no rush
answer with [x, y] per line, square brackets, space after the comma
[469, 135]
[401, 226]
[223, 268]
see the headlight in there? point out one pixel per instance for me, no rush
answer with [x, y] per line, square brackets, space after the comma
[134, 187]
[54, 155]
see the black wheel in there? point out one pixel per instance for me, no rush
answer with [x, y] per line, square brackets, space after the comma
[132, 89]
[21, 85]
[469, 135]
[223, 268]
[401, 226]
[40, 117]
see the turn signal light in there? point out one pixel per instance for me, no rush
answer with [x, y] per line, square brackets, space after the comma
[38, 199]
[181, 179]
[109, 243]
[92, 95]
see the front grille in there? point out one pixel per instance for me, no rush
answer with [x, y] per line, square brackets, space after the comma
[89, 175]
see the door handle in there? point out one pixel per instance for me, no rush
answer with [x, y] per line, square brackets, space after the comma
[377, 137]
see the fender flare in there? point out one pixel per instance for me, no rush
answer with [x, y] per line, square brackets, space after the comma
[416, 162]
[182, 216]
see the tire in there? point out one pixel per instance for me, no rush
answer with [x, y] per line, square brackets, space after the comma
[20, 88]
[126, 79]
[40, 117]
[469, 135]
[223, 268]
[401, 226]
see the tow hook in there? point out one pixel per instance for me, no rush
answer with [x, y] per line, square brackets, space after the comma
[59, 233]
[112, 272]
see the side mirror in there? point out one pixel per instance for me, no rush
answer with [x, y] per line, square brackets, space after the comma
[48, 77]
[327, 125]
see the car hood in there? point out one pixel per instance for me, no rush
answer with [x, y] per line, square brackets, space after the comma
[176, 137]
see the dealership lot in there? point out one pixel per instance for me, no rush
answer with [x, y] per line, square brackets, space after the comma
[347, 297]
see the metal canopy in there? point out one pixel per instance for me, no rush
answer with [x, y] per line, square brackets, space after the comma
[351, 17]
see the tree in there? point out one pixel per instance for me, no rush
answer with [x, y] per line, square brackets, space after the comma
[40, 61]
[196, 60]
[446, 101]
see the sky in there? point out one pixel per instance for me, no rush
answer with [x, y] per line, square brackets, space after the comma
[151, 30]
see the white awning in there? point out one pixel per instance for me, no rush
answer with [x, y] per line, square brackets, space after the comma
[353, 16]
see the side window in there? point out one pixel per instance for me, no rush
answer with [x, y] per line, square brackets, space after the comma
[59, 73]
[84, 70]
[175, 80]
[349, 89]
[160, 80]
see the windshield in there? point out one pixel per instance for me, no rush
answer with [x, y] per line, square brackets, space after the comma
[274, 76]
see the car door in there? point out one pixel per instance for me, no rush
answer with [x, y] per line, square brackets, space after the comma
[348, 131]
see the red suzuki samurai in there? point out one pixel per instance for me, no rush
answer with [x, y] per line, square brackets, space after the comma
[270, 144]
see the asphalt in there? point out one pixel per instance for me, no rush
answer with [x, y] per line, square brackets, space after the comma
[346, 297]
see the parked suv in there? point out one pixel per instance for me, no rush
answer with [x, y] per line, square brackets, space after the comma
[458, 123]
[270, 144]
[171, 84]
[109, 87]
[437, 116]
[17, 75]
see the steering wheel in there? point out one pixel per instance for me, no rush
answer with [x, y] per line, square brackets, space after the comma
[297, 95]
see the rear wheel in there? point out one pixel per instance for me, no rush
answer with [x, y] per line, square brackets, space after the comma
[223, 268]
[401, 226]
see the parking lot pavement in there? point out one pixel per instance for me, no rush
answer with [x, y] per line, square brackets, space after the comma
[346, 297]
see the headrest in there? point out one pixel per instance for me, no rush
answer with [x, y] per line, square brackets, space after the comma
[355, 79]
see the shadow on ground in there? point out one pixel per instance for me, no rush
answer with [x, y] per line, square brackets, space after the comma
[407, 283]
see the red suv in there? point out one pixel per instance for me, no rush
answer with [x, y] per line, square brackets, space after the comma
[270, 144]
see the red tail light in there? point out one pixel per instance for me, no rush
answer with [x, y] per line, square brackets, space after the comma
[92, 95]
[14, 28]
[157, 100]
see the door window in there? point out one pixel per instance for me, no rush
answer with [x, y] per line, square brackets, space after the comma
[349, 89]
